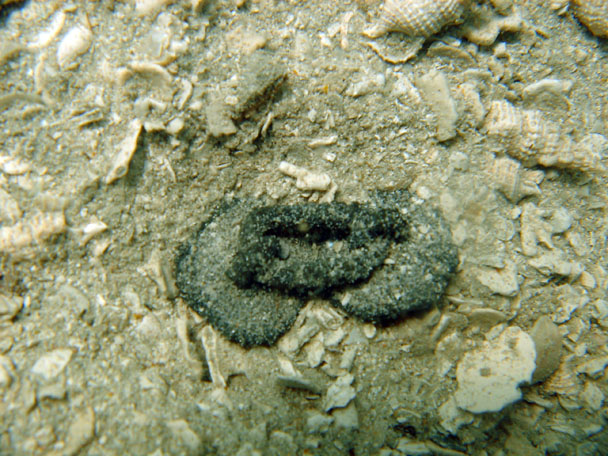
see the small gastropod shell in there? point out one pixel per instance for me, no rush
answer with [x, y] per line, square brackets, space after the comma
[529, 137]
[416, 17]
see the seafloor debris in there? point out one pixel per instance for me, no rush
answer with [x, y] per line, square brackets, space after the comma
[305, 179]
[249, 268]
[488, 378]
[75, 42]
[20, 239]
[258, 83]
[483, 25]
[416, 17]
[534, 140]
[10, 306]
[548, 344]
[52, 363]
[513, 181]
[120, 163]
[436, 92]
[593, 14]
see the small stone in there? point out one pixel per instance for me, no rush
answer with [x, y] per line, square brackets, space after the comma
[592, 396]
[501, 281]
[599, 311]
[592, 429]
[281, 443]
[369, 330]
[569, 300]
[486, 318]
[181, 431]
[318, 422]
[347, 417]
[365, 85]
[548, 343]
[348, 358]
[299, 383]
[594, 367]
[175, 126]
[340, 393]
[80, 433]
[410, 447]
[219, 122]
[119, 165]
[55, 390]
[315, 350]
[259, 81]
[247, 450]
[554, 262]
[7, 372]
[488, 378]
[10, 306]
[333, 338]
[52, 364]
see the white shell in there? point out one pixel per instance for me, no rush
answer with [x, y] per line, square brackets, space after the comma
[76, 42]
[416, 17]
[534, 140]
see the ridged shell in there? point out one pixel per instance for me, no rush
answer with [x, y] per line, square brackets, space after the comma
[416, 17]
[593, 14]
[535, 140]
[513, 181]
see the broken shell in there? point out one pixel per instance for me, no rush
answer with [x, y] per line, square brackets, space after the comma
[10, 306]
[46, 36]
[14, 166]
[534, 140]
[145, 7]
[435, 90]
[593, 14]
[17, 239]
[416, 17]
[90, 230]
[305, 179]
[490, 25]
[152, 71]
[513, 181]
[10, 213]
[76, 42]
[120, 164]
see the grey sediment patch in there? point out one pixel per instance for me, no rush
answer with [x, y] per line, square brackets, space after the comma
[249, 268]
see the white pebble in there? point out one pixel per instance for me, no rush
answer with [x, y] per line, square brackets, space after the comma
[488, 378]
[52, 363]
[76, 42]
[305, 179]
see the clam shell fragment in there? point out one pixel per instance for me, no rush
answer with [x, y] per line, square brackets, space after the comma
[416, 17]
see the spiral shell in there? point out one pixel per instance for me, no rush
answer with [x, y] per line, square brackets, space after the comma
[593, 14]
[514, 182]
[534, 140]
[416, 17]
